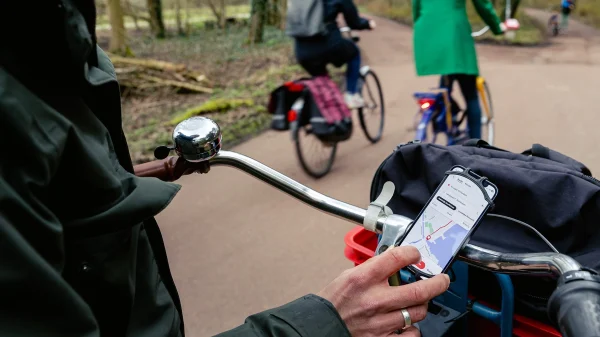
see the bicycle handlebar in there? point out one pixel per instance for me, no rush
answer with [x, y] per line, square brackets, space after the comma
[507, 15]
[575, 305]
[531, 263]
[198, 144]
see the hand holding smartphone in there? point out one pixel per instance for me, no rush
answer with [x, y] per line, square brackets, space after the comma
[448, 220]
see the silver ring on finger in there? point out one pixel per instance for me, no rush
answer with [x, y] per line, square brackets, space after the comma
[407, 320]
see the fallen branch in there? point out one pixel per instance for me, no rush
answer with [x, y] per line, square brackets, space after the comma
[178, 84]
[147, 63]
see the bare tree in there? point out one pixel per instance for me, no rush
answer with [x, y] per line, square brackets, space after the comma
[257, 21]
[283, 12]
[187, 17]
[157, 23]
[118, 43]
[219, 12]
[129, 10]
[177, 4]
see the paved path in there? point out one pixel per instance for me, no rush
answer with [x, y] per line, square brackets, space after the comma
[237, 246]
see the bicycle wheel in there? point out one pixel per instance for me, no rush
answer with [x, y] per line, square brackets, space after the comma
[315, 156]
[371, 116]
[487, 116]
[553, 27]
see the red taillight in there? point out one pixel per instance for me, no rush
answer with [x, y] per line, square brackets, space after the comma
[294, 87]
[426, 103]
[292, 115]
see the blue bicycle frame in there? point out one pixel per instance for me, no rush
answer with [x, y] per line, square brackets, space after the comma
[435, 109]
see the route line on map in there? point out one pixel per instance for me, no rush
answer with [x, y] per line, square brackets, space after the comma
[429, 236]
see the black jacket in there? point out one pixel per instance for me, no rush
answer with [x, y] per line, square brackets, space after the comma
[319, 47]
[80, 252]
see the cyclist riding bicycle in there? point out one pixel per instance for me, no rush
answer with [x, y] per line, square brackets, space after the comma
[328, 46]
[566, 7]
[443, 45]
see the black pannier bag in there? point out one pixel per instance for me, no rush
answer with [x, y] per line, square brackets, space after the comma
[298, 102]
[546, 189]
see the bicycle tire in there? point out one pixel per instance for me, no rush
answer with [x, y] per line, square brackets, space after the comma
[373, 138]
[308, 169]
[487, 122]
[553, 26]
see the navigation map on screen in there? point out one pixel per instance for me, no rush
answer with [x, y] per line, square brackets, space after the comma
[439, 232]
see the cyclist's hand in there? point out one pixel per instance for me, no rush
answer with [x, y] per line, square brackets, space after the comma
[510, 24]
[372, 24]
[370, 306]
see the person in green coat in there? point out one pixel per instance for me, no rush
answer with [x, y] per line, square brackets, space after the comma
[443, 45]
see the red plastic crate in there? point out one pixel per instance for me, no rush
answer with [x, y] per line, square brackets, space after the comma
[361, 245]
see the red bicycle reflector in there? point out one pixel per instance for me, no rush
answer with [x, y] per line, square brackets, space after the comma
[426, 103]
[292, 115]
[294, 87]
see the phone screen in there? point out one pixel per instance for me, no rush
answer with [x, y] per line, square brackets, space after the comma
[447, 220]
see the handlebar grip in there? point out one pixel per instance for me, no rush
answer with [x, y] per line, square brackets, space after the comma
[575, 305]
[170, 168]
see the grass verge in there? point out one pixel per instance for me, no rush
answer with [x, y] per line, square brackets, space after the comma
[587, 11]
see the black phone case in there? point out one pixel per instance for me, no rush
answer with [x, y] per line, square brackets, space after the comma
[478, 181]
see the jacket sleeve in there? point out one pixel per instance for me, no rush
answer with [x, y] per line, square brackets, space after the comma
[308, 316]
[35, 299]
[416, 7]
[486, 11]
[353, 20]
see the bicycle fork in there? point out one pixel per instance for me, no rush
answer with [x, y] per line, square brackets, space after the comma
[422, 127]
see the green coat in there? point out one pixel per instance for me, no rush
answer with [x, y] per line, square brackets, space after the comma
[442, 36]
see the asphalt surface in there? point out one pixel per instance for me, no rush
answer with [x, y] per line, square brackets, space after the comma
[237, 246]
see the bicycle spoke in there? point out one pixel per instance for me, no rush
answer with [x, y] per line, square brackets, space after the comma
[316, 157]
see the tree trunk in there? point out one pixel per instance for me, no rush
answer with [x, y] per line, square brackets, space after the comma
[187, 17]
[131, 13]
[272, 13]
[223, 20]
[156, 19]
[219, 12]
[117, 43]
[180, 30]
[283, 13]
[257, 21]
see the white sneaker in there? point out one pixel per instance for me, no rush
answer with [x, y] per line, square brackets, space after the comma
[354, 101]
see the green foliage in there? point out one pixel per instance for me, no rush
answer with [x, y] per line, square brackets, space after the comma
[219, 105]
[244, 128]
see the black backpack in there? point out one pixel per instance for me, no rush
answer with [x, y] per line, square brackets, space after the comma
[548, 190]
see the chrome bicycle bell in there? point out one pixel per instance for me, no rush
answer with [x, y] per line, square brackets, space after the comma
[197, 139]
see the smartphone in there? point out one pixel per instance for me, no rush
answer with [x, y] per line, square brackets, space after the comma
[448, 220]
